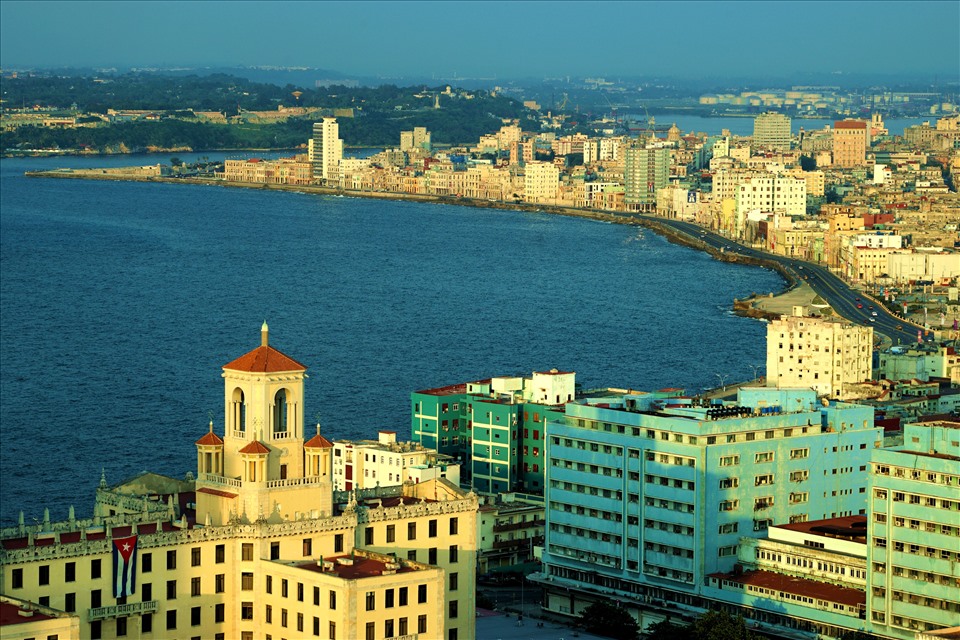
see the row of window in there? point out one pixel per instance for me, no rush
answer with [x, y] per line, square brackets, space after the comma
[597, 470]
[575, 487]
[916, 549]
[453, 527]
[918, 475]
[919, 525]
[915, 574]
[665, 482]
[913, 498]
[585, 533]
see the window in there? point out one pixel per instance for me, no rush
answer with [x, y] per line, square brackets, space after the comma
[453, 553]
[300, 592]
[338, 543]
[70, 602]
[411, 531]
[220, 555]
[246, 581]
[729, 505]
[194, 616]
[730, 527]
[70, 572]
[402, 596]
[220, 583]
[333, 600]
[371, 600]
[422, 623]
[432, 555]
[246, 551]
[764, 456]
[146, 592]
[764, 479]
[246, 611]
[333, 631]
[268, 614]
[368, 536]
[299, 622]
[453, 609]
[391, 533]
[17, 579]
[172, 619]
[95, 568]
[727, 551]
[195, 557]
[218, 612]
[454, 526]
[274, 550]
[729, 483]
[171, 559]
[432, 529]
[195, 586]
[316, 626]
[797, 454]
[729, 461]
[421, 593]
[371, 631]
[96, 631]
[171, 589]
[284, 588]
[798, 497]
[402, 626]
[44, 578]
[454, 580]
[269, 585]
[388, 598]
[316, 596]
[146, 623]
[283, 618]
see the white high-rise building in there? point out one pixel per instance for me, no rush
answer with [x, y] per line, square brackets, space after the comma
[326, 150]
[821, 353]
[541, 182]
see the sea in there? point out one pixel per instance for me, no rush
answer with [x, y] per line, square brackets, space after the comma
[121, 301]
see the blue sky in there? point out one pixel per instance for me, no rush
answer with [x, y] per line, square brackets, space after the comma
[485, 39]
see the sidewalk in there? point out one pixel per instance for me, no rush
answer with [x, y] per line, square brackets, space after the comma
[494, 625]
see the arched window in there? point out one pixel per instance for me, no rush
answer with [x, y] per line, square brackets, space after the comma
[238, 410]
[280, 412]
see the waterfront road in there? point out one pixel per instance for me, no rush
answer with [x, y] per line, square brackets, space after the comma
[827, 285]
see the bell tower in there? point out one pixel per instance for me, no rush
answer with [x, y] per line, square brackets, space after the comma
[258, 471]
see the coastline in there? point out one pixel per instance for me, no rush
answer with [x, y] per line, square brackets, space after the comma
[742, 308]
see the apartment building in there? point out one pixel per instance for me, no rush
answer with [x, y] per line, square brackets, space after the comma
[494, 427]
[769, 192]
[850, 141]
[325, 150]
[542, 182]
[913, 545]
[255, 545]
[771, 130]
[648, 495]
[384, 462]
[823, 354]
[646, 171]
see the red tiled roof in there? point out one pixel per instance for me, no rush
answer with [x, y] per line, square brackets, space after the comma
[317, 442]
[264, 359]
[361, 568]
[256, 447]
[210, 438]
[216, 492]
[849, 124]
[798, 586]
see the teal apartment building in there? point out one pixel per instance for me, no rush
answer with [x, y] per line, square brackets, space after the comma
[647, 496]
[494, 427]
[913, 549]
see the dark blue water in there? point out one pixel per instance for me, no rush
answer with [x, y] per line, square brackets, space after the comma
[119, 302]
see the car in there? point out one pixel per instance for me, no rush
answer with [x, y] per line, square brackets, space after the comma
[871, 307]
[899, 327]
[858, 299]
[873, 313]
[859, 306]
[800, 267]
[873, 319]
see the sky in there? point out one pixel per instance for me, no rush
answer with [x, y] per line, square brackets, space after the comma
[491, 38]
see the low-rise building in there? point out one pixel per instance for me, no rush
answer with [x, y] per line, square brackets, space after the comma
[366, 464]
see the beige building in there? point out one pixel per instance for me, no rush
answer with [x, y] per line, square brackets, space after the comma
[772, 130]
[257, 546]
[416, 140]
[820, 353]
[542, 182]
[850, 142]
[384, 462]
[325, 150]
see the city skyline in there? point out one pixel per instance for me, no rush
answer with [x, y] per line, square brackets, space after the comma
[475, 39]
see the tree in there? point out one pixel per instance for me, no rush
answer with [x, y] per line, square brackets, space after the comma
[666, 630]
[606, 619]
[720, 625]
[808, 163]
[175, 162]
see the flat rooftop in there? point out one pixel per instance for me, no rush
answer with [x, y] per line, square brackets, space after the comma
[357, 566]
[10, 614]
[852, 528]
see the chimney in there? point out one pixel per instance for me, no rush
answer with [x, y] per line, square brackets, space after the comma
[264, 334]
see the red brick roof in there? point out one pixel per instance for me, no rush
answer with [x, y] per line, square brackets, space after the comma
[210, 438]
[799, 586]
[255, 447]
[264, 359]
[318, 442]
[10, 615]
[849, 124]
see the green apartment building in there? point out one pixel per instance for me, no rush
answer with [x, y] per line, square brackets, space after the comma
[495, 427]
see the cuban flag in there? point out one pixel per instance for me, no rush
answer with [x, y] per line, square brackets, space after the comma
[124, 566]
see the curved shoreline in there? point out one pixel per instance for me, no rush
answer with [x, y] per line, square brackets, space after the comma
[649, 222]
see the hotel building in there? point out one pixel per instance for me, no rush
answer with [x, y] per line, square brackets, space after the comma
[257, 546]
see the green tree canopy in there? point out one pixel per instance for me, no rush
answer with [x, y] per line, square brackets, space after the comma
[606, 619]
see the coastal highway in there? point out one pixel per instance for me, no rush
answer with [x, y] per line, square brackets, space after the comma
[828, 286]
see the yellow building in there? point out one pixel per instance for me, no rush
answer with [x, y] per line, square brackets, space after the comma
[258, 546]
